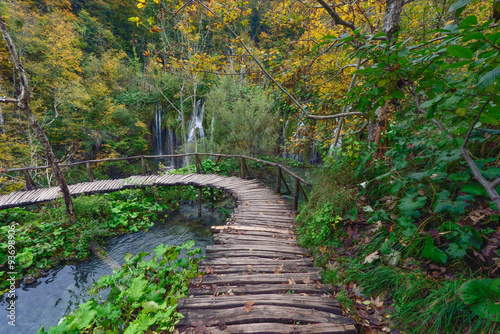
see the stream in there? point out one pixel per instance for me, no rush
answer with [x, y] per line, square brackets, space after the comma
[48, 299]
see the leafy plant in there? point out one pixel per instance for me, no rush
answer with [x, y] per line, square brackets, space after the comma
[483, 297]
[143, 295]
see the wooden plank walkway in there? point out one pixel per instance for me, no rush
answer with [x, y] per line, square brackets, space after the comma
[255, 277]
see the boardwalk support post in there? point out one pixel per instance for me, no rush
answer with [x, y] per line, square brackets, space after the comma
[242, 168]
[89, 172]
[197, 159]
[303, 193]
[277, 189]
[143, 163]
[30, 184]
[288, 191]
[296, 194]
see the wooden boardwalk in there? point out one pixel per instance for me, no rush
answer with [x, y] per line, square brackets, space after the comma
[255, 277]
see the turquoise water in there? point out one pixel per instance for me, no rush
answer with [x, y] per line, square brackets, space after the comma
[51, 297]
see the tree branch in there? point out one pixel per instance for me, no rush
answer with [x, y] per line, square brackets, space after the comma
[489, 186]
[475, 121]
[336, 18]
[8, 100]
[297, 103]
[347, 114]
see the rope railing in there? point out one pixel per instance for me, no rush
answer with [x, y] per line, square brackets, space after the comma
[30, 185]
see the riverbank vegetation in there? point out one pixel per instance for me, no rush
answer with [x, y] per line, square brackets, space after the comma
[393, 104]
[142, 294]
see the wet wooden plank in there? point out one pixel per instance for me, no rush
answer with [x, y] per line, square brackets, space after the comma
[262, 313]
[237, 239]
[274, 328]
[255, 247]
[256, 269]
[256, 253]
[294, 300]
[235, 279]
[217, 229]
[252, 260]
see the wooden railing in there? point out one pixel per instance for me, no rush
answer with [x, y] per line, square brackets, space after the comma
[244, 171]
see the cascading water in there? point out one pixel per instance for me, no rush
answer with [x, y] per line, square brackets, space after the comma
[157, 130]
[196, 124]
[164, 138]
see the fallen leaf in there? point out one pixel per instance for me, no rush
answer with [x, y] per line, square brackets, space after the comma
[372, 257]
[291, 281]
[307, 280]
[248, 306]
[230, 292]
[377, 302]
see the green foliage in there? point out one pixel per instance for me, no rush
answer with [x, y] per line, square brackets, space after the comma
[42, 240]
[244, 119]
[483, 297]
[320, 217]
[143, 294]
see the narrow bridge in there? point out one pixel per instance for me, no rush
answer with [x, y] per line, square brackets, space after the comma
[255, 278]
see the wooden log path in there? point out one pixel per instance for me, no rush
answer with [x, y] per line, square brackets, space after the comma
[254, 279]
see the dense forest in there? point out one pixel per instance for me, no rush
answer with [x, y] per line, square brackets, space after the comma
[390, 108]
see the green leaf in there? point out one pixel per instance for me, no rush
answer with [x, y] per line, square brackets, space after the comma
[468, 22]
[403, 53]
[458, 4]
[461, 112]
[456, 251]
[397, 94]
[488, 78]
[137, 287]
[475, 35]
[188, 244]
[474, 188]
[460, 51]
[491, 172]
[150, 306]
[483, 297]
[409, 206]
[26, 258]
[432, 252]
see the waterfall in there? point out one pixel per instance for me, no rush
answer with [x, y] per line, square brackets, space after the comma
[164, 138]
[212, 133]
[197, 122]
[157, 130]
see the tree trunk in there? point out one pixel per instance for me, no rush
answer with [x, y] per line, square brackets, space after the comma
[392, 17]
[22, 103]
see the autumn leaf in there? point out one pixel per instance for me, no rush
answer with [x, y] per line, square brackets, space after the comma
[155, 29]
[248, 306]
[371, 257]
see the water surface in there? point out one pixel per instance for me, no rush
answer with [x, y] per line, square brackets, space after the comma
[51, 297]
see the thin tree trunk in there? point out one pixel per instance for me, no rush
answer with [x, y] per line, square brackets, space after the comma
[22, 103]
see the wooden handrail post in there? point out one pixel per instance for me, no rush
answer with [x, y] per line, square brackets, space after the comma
[30, 184]
[288, 191]
[303, 193]
[242, 168]
[143, 163]
[199, 202]
[218, 158]
[296, 194]
[197, 159]
[278, 181]
[89, 172]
